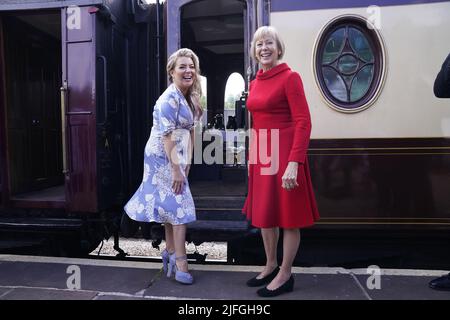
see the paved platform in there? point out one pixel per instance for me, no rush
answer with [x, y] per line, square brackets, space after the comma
[50, 278]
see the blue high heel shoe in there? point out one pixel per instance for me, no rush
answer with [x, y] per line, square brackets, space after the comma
[165, 255]
[180, 276]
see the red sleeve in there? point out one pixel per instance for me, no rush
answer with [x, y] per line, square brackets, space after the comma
[300, 115]
[249, 89]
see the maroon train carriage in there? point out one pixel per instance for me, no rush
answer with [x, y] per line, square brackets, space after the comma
[77, 78]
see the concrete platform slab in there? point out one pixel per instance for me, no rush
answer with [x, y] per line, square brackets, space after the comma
[45, 278]
[406, 288]
[47, 294]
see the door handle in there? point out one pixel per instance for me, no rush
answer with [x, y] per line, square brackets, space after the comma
[64, 89]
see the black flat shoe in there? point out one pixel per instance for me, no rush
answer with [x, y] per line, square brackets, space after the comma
[288, 286]
[254, 282]
[441, 283]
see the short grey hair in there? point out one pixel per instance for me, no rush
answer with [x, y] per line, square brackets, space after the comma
[267, 31]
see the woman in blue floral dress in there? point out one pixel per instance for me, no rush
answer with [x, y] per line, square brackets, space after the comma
[164, 195]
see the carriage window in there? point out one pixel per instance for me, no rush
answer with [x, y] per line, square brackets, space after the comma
[349, 64]
[233, 90]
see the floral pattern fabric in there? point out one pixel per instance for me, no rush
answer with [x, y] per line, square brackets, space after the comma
[154, 200]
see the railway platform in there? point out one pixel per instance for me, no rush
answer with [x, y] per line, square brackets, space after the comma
[51, 278]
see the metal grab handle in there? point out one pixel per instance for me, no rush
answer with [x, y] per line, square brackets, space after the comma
[105, 86]
[63, 91]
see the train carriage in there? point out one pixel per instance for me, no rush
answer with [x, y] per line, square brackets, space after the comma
[380, 139]
[379, 150]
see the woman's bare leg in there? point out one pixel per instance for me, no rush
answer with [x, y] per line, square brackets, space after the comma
[291, 243]
[270, 239]
[168, 230]
[179, 237]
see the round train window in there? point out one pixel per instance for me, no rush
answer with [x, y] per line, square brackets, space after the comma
[349, 63]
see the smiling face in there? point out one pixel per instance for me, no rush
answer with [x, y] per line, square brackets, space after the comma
[183, 74]
[267, 52]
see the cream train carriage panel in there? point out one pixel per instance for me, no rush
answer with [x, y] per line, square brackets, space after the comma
[414, 46]
[380, 152]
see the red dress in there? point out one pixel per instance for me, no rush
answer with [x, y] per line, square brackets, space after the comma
[277, 101]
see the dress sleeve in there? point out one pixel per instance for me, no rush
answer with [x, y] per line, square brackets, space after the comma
[168, 115]
[301, 117]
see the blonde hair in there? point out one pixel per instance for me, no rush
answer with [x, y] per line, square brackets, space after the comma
[263, 32]
[196, 89]
[172, 62]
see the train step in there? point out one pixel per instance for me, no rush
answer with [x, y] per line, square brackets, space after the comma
[217, 230]
[41, 224]
[17, 246]
[219, 202]
[219, 208]
[219, 215]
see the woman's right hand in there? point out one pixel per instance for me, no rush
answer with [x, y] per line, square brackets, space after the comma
[177, 180]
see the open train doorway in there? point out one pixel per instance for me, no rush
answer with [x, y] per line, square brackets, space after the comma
[215, 31]
[31, 56]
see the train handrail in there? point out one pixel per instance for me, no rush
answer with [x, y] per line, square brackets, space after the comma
[64, 90]
[105, 86]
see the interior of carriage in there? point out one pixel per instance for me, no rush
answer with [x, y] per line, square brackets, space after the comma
[32, 55]
[215, 31]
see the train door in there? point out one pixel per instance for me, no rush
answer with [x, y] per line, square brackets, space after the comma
[49, 136]
[215, 31]
[219, 32]
[78, 105]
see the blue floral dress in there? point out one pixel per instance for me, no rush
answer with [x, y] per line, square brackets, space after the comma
[154, 201]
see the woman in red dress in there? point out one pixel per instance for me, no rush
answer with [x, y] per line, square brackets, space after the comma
[280, 193]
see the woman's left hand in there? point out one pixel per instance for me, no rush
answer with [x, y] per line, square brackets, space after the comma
[177, 179]
[195, 97]
[289, 179]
